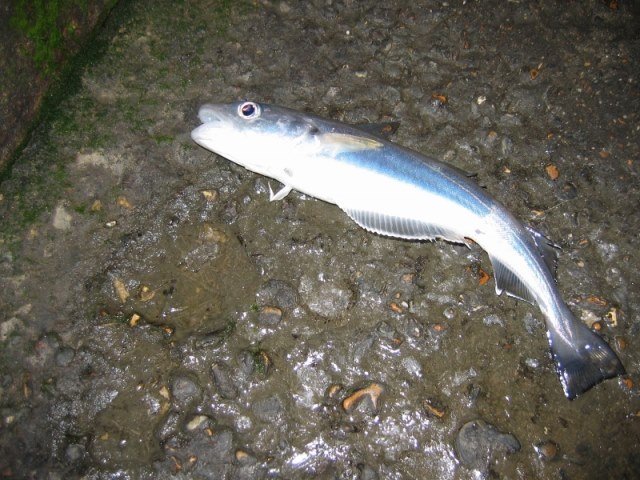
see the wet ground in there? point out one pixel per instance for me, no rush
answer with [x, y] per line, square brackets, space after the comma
[160, 317]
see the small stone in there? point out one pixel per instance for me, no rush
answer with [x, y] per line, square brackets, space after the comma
[370, 394]
[244, 458]
[64, 356]
[434, 408]
[122, 201]
[61, 218]
[552, 172]
[121, 290]
[325, 298]
[164, 392]
[222, 379]
[478, 443]
[547, 450]
[395, 307]
[74, 452]
[620, 342]
[185, 391]
[210, 195]
[133, 321]
[196, 422]
[277, 293]
[333, 391]
[408, 278]
[211, 234]
[284, 7]
[145, 293]
[270, 315]
[169, 427]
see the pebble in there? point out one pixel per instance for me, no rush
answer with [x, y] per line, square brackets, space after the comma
[198, 422]
[270, 316]
[478, 443]
[75, 452]
[434, 408]
[369, 396]
[169, 427]
[325, 298]
[223, 382]
[332, 392]
[185, 391]
[277, 293]
[64, 356]
[244, 458]
[61, 218]
[547, 450]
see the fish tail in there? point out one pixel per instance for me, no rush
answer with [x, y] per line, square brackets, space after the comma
[582, 358]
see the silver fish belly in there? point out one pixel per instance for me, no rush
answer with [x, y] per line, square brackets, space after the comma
[394, 191]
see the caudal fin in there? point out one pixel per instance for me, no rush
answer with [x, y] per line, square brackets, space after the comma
[583, 359]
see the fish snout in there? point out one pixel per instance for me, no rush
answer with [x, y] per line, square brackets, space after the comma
[209, 113]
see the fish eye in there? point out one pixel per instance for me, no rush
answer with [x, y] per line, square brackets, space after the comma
[249, 110]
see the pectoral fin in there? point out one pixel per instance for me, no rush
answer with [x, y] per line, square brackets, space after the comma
[280, 194]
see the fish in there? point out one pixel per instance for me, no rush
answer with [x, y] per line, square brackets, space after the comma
[397, 192]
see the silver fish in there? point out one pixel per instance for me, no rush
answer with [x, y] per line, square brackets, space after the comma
[394, 191]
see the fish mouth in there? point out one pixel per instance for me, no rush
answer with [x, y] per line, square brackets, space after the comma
[213, 120]
[202, 134]
[209, 113]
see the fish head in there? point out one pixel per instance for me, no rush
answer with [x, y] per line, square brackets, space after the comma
[260, 137]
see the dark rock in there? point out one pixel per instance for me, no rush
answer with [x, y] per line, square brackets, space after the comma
[169, 427]
[279, 293]
[478, 443]
[185, 391]
[223, 382]
[269, 316]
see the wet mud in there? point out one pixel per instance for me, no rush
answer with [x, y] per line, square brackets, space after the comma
[160, 318]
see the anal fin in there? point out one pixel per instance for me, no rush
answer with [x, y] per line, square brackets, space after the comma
[401, 227]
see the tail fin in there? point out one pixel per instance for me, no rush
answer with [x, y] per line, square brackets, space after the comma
[583, 359]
